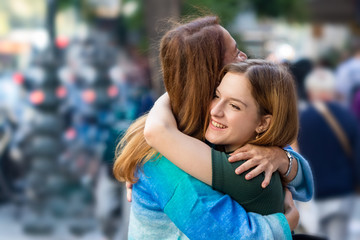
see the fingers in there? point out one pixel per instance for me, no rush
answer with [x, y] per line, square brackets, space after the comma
[268, 169]
[129, 185]
[129, 194]
[267, 179]
[129, 191]
[240, 156]
[246, 166]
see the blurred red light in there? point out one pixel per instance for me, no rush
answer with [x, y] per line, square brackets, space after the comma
[70, 134]
[18, 78]
[62, 42]
[37, 97]
[112, 91]
[61, 92]
[89, 96]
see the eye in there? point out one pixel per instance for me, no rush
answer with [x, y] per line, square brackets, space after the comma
[234, 106]
[215, 96]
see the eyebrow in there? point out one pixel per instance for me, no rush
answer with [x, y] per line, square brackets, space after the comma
[233, 99]
[238, 100]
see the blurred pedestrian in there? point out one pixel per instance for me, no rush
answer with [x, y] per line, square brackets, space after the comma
[329, 138]
[300, 70]
[348, 79]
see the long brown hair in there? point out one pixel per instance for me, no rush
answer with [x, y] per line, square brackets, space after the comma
[191, 58]
[273, 88]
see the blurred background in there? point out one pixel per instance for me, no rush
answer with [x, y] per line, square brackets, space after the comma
[75, 73]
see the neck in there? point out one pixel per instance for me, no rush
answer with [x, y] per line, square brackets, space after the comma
[229, 149]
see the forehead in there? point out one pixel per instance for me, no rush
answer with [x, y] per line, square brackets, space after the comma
[228, 39]
[230, 48]
[234, 84]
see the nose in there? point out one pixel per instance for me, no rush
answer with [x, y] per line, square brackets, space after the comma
[216, 109]
[242, 56]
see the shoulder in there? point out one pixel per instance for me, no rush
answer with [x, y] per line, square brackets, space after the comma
[160, 168]
[226, 180]
[248, 193]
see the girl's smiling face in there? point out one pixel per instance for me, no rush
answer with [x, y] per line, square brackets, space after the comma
[234, 113]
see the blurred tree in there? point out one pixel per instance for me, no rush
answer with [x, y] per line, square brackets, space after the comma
[292, 10]
[225, 9]
[63, 4]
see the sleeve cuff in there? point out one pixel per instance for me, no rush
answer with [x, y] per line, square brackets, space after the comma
[302, 186]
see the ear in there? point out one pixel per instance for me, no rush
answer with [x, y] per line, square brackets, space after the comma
[264, 123]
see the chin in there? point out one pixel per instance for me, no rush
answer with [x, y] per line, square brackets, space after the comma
[209, 139]
[212, 140]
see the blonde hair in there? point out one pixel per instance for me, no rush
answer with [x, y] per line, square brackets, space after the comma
[273, 88]
[191, 59]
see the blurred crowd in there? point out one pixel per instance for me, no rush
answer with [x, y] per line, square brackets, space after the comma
[329, 138]
[60, 119]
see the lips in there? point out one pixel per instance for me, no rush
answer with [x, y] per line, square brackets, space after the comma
[217, 124]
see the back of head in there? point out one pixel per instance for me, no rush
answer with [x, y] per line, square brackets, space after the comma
[192, 57]
[273, 88]
[299, 70]
[320, 85]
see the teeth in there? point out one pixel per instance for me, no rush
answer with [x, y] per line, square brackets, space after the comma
[218, 125]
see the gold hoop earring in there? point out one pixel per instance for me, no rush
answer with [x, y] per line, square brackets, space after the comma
[257, 136]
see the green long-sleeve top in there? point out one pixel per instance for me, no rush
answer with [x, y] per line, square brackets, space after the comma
[248, 193]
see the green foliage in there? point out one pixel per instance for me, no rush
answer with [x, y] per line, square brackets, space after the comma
[292, 10]
[135, 24]
[135, 21]
[225, 9]
[63, 4]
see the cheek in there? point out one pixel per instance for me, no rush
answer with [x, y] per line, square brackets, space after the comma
[228, 59]
[244, 126]
[210, 136]
[242, 135]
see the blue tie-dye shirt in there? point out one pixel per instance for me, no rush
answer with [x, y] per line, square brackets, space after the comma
[168, 203]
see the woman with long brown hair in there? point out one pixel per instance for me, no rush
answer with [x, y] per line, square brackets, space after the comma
[167, 202]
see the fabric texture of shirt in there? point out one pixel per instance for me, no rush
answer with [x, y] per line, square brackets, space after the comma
[248, 193]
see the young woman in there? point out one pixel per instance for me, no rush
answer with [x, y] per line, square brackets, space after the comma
[167, 202]
[254, 103]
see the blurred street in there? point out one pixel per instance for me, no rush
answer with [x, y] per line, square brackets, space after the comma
[75, 74]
